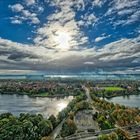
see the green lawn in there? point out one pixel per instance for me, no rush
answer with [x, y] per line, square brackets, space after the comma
[42, 94]
[113, 88]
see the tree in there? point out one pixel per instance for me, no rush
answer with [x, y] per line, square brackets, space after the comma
[68, 128]
[46, 138]
[114, 136]
[104, 137]
[53, 120]
[45, 127]
[24, 127]
[71, 115]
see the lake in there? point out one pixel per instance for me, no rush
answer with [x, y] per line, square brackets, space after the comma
[131, 101]
[17, 104]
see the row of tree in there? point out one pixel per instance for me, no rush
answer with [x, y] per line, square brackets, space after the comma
[111, 114]
[118, 134]
[69, 126]
[35, 127]
[24, 127]
[126, 88]
[39, 87]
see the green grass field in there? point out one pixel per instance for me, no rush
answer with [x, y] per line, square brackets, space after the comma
[113, 88]
[41, 95]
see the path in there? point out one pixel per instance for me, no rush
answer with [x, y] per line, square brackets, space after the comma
[57, 130]
[89, 99]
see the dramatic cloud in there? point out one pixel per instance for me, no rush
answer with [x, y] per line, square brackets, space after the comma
[71, 36]
[61, 22]
[123, 53]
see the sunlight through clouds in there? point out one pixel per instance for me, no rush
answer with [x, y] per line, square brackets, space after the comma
[61, 21]
[63, 39]
[70, 36]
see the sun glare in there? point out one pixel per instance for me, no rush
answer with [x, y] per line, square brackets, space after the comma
[62, 39]
[61, 106]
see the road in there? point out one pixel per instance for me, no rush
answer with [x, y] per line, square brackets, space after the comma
[94, 135]
[57, 130]
[87, 135]
[89, 99]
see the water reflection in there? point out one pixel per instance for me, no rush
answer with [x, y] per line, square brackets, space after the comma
[61, 106]
[131, 100]
[17, 104]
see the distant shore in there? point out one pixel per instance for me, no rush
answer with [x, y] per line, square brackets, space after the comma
[37, 95]
[112, 96]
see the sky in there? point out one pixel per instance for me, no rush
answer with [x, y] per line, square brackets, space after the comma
[70, 36]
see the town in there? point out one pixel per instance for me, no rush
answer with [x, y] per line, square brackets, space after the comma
[88, 116]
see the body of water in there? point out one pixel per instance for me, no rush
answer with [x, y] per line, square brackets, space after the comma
[17, 104]
[85, 76]
[131, 101]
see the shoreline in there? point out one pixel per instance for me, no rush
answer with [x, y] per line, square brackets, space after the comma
[109, 97]
[36, 95]
[59, 95]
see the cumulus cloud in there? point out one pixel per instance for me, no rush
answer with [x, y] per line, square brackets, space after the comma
[16, 7]
[16, 21]
[30, 16]
[127, 10]
[25, 15]
[45, 55]
[62, 20]
[29, 2]
[97, 3]
[121, 54]
[88, 19]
